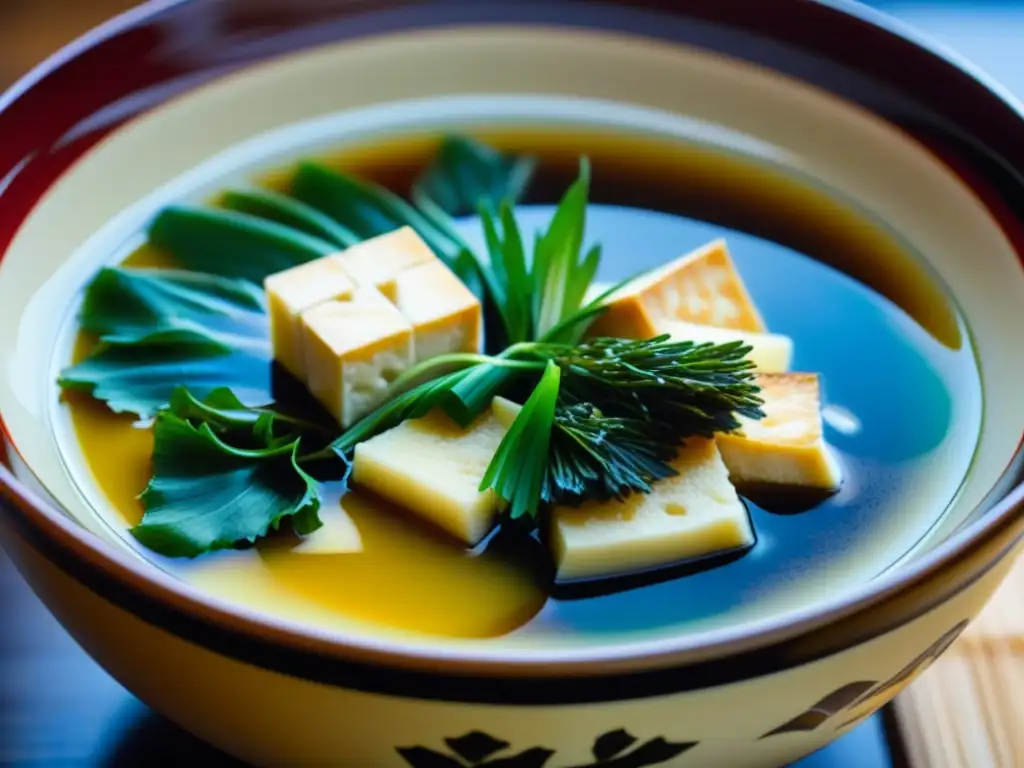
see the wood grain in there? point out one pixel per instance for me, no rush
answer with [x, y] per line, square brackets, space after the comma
[967, 711]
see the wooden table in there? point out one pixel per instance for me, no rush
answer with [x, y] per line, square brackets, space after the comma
[57, 708]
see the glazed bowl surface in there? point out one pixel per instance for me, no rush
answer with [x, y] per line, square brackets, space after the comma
[177, 99]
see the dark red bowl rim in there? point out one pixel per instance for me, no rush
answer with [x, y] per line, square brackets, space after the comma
[957, 112]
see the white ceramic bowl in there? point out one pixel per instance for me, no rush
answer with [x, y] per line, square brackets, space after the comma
[176, 98]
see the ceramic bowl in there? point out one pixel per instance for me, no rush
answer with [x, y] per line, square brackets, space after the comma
[172, 99]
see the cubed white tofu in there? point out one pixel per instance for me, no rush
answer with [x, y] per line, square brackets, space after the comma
[377, 262]
[354, 350]
[787, 447]
[433, 467]
[445, 315]
[770, 352]
[292, 292]
[693, 514]
[700, 287]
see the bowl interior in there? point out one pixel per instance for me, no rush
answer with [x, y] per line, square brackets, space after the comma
[269, 115]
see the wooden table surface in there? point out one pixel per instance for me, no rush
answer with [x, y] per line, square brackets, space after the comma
[57, 708]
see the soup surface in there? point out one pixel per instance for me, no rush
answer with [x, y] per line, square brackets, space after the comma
[901, 396]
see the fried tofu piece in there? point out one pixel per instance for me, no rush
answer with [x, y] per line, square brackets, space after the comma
[433, 468]
[787, 447]
[694, 514]
[702, 287]
[770, 352]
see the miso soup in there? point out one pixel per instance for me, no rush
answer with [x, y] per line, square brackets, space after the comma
[900, 404]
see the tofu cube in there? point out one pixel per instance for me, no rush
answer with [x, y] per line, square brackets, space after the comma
[770, 352]
[292, 292]
[348, 324]
[693, 514]
[787, 447]
[701, 287]
[354, 349]
[377, 262]
[433, 468]
[445, 315]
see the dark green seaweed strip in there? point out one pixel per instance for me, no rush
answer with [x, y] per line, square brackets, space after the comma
[290, 212]
[366, 209]
[232, 244]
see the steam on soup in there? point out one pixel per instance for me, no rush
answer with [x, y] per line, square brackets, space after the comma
[441, 389]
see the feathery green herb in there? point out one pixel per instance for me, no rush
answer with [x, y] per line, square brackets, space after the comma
[624, 408]
[598, 457]
[699, 388]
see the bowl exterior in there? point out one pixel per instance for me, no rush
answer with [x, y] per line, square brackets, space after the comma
[273, 718]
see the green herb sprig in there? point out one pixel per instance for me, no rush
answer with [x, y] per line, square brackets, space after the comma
[700, 388]
[596, 456]
[520, 465]
[622, 409]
